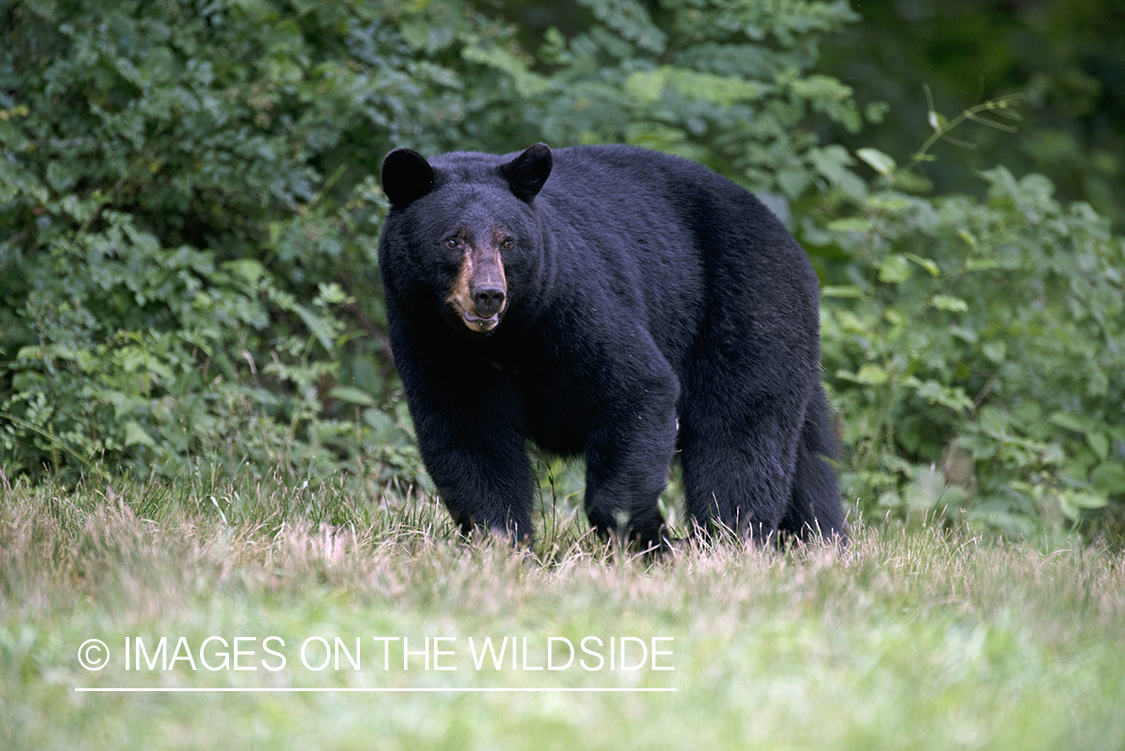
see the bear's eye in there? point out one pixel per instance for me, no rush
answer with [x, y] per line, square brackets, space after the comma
[508, 244]
[452, 243]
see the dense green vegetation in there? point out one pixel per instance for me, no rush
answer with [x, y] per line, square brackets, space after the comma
[1065, 57]
[927, 639]
[188, 219]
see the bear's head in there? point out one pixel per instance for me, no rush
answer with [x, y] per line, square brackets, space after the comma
[468, 223]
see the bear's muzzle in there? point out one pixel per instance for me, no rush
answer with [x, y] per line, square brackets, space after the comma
[480, 290]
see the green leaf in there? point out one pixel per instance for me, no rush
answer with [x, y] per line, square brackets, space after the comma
[793, 182]
[995, 351]
[527, 83]
[1110, 477]
[937, 393]
[878, 161]
[261, 396]
[416, 33]
[821, 88]
[894, 269]
[317, 326]
[648, 86]
[61, 175]
[888, 202]
[848, 291]
[247, 268]
[1099, 444]
[352, 396]
[964, 333]
[851, 224]
[1073, 502]
[1072, 421]
[925, 263]
[135, 434]
[872, 375]
[832, 162]
[981, 264]
[631, 20]
[947, 302]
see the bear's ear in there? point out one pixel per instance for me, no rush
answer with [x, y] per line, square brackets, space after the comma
[528, 171]
[406, 177]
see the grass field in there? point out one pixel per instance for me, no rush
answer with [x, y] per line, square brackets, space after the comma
[910, 639]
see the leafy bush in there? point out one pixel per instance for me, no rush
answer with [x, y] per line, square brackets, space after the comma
[974, 348]
[1064, 56]
[188, 220]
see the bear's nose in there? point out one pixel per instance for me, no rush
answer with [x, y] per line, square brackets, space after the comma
[488, 301]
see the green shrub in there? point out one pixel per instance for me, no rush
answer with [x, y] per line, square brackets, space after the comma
[975, 349]
[188, 226]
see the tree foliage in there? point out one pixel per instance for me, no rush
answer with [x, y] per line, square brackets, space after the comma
[188, 221]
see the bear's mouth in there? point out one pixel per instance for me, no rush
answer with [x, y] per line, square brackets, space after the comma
[480, 292]
[479, 324]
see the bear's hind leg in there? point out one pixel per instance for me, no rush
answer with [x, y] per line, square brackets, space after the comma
[738, 465]
[814, 509]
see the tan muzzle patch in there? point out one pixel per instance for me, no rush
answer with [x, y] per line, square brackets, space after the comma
[480, 291]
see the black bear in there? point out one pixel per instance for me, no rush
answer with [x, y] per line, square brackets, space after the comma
[614, 303]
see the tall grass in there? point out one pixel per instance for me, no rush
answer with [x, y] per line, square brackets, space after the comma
[924, 638]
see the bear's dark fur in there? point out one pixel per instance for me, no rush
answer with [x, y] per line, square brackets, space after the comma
[614, 303]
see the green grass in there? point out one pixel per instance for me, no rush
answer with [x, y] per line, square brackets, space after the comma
[910, 639]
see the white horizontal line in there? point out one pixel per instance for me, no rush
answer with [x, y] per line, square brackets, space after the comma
[133, 690]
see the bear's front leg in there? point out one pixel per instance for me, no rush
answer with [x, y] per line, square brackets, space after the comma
[629, 448]
[468, 419]
[476, 458]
